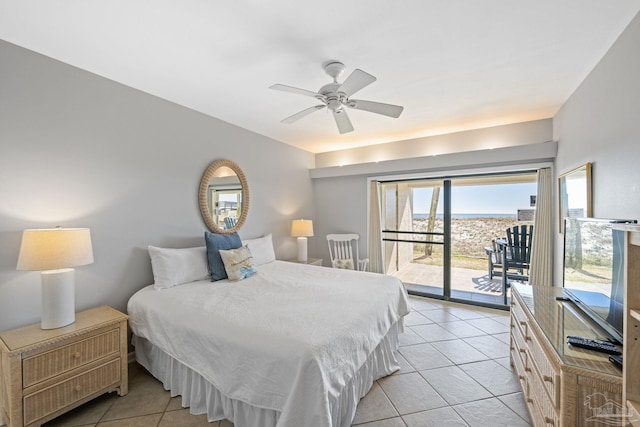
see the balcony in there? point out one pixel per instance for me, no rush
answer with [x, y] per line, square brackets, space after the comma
[466, 283]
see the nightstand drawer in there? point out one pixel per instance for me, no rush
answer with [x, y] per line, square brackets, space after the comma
[51, 363]
[45, 402]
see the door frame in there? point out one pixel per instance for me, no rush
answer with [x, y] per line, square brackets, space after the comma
[446, 178]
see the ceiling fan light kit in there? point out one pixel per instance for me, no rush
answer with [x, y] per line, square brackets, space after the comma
[335, 96]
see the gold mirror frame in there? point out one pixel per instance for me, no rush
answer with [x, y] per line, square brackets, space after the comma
[203, 196]
[581, 175]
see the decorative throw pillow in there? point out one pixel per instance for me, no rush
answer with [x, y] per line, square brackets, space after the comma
[172, 267]
[346, 264]
[238, 263]
[215, 243]
[261, 249]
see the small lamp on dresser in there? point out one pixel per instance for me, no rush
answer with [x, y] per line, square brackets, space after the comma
[302, 228]
[55, 251]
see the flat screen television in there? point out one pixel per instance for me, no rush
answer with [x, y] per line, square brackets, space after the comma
[593, 273]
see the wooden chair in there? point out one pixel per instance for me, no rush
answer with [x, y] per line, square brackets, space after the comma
[343, 251]
[494, 255]
[516, 254]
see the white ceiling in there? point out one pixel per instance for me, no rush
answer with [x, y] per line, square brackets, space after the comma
[453, 64]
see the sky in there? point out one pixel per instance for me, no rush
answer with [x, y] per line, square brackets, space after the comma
[485, 199]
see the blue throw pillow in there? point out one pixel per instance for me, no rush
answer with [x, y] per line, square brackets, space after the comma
[216, 242]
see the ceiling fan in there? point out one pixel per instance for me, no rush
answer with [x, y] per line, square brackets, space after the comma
[335, 96]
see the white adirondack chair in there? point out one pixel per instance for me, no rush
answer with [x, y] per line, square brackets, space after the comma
[343, 250]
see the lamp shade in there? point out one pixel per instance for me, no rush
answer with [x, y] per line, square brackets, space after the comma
[301, 228]
[55, 248]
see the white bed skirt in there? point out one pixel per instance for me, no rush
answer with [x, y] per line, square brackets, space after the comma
[203, 398]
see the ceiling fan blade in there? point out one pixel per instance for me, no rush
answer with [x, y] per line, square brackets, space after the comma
[356, 81]
[376, 107]
[303, 113]
[296, 90]
[342, 120]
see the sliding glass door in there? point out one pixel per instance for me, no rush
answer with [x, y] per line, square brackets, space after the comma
[439, 235]
[413, 234]
[483, 208]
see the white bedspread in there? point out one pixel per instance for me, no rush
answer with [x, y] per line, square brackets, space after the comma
[286, 339]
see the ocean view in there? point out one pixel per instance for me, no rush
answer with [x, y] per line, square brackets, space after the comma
[466, 215]
[471, 233]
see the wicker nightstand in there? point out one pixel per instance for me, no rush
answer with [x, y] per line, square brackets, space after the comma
[45, 373]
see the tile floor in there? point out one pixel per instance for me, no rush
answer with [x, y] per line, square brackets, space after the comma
[454, 372]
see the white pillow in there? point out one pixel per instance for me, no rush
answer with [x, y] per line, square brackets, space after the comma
[238, 263]
[172, 267]
[261, 249]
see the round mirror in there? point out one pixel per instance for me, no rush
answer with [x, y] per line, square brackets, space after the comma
[224, 197]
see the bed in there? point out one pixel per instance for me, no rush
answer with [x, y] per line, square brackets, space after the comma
[293, 345]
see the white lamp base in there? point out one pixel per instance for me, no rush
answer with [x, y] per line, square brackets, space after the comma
[58, 298]
[302, 249]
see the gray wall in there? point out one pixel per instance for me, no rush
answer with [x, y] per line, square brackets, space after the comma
[514, 134]
[78, 150]
[600, 123]
[341, 207]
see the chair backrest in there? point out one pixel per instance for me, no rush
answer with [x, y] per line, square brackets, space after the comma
[519, 239]
[229, 222]
[496, 252]
[343, 250]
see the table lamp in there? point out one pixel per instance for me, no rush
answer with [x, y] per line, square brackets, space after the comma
[55, 251]
[302, 228]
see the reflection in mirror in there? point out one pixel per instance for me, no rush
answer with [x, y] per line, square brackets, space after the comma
[224, 197]
[574, 194]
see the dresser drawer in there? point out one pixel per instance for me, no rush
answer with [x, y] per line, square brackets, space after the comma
[518, 366]
[520, 320]
[546, 404]
[538, 417]
[549, 377]
[534, 412]
[62, 359]
[517, 311]
[61, 395]
[520, 346]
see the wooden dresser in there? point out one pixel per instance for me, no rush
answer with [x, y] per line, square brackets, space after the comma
[631, 383]
[44, 373]
[562, 385]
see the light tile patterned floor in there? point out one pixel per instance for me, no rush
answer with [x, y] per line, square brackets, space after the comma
[454, 372]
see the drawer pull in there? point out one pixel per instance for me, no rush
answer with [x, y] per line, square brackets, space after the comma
[522, 350]
[78, 387]
[77, 355]
[547, 378]
[548, 420]
[527, 369]
[523, 323]
[521, 377]
[527, 338]
[529, 400]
